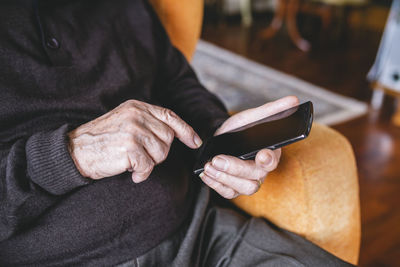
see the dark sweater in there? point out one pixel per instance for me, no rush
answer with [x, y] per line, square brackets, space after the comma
[63, 63]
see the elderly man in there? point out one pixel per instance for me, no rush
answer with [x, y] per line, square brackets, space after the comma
[93, 96]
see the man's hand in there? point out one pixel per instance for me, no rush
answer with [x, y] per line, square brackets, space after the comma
[230, 176]
[135, 136]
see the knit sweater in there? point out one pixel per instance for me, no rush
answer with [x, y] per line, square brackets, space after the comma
[62, 64]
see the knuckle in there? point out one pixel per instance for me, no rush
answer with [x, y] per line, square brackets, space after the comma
[133, 107]
[219, 188]
[187, 129]
[131, 144]
[248, 188]
[147, 140]
[130, 102]
[131, 127]
[252, 187]
[169, 115]
[261, 173]
[169, 135]
[217, 175]
[129, 117]
[164, 153]
[150, 167]
[133, 113]
[172, 118]
[133, 162]
[230, 194]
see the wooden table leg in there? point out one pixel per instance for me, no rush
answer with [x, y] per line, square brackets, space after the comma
[326, 16]
[293, 7]
[277, 21]
[288, 8]
[396, 115]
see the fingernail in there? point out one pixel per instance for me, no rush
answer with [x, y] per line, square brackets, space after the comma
[201, 175]
[197, 140]
[220, 163]
[265, 158]
[137, 179]
[211, 171]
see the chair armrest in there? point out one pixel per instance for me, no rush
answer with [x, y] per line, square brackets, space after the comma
[182, 21]
[314, 192]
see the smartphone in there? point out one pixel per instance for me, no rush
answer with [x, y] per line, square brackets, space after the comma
[272, 132]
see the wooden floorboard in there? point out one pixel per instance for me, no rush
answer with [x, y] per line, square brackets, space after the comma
[340, 63]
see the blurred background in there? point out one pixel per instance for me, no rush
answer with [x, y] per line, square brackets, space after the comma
[324, 49]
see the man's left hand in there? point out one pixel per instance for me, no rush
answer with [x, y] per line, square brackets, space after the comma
[231, 176]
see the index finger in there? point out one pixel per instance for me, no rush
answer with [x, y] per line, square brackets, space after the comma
[254, 114]
[270, 108]
[183, 131]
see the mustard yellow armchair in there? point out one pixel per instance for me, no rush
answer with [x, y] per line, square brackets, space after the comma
[314, 191]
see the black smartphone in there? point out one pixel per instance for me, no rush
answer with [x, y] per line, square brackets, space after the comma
[272, 132]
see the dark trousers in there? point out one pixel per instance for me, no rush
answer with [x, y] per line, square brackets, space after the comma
[221, 237]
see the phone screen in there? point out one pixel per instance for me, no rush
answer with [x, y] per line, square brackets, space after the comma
[272, 132]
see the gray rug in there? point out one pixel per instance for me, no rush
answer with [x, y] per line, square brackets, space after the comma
[243, 84]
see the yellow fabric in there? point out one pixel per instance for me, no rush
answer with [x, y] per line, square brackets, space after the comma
[182, 19]
[314, 191]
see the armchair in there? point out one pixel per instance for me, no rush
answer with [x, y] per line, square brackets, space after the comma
[314, 191]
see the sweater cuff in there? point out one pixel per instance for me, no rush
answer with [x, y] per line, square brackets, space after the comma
[50, 164]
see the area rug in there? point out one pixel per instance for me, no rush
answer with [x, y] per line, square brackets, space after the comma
[243, 84]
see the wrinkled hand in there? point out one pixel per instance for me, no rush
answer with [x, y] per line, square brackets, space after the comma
[135, 136]
[231, 176]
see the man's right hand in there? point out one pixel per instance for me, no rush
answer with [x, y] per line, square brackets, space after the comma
[135, 136]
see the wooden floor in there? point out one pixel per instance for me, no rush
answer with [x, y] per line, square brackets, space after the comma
[340, 62]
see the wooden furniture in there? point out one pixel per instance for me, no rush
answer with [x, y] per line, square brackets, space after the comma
[396, 115]
[385, 73]
[314, 191]
[379, 91]
[288, 10]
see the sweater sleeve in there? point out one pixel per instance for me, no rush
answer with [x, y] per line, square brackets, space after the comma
[34, 173]
[179, 89]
